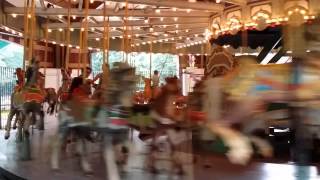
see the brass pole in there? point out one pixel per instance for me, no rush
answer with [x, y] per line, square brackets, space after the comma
[80, 50]
[26, 32]
[32, 25]
[68, 37]
[85, 38]
[150, 61]
[46, 50]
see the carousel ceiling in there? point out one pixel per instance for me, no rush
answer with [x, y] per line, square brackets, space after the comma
[180, 23]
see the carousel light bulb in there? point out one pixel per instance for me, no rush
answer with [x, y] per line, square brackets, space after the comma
[98, 49]
[177, 31]
[77, 47]
[120, 37]
[146, 21]
[71, 29]
[192, 44]
[158, 11]
[196, 35]
[296, 10]
[161, 19]
[82, 29]
[177, 25]
[188, 38]
[218, 1]
[60, 29]
[164, 26]
[61, 45]
[129, 36]
[29, 16]
[149, 42]
[188, 10]
[74, 17]
[137, 44]
[92, 29]
[53, 42]
[60, 16]
[303, 12]
[20, 34]
[172, 39]
[187, 30]
[70, 45]
[174, 9]
[313, 17]
[90, 48]
[308, 50]
[166, 40]
[144, 43]
[151, 29]
[49, 30]
[97, 39]
[154, 41]
[306, 17]
[137, 35]
[286, 19]
[204, 41]
[14, 15]
[180, 37]
[290, 12]
[91, 1]
[160, 40]
[175, 19]
[166, 35]
[156, 33]
[113, 37]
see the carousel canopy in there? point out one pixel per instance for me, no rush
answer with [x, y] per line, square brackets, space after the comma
[170, 26]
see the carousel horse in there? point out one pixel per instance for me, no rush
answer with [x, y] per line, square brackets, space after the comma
[27, 102]
[16, 103]
[170, 120]
[147, 89]
[52, 100]
[106, 115]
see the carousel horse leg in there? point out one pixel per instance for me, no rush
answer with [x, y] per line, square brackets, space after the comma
[12, 112]
[26, 151]
[56, 150]
[20, 120]
[110, 160]
[240, 147]
[264, 148]
[83, 152]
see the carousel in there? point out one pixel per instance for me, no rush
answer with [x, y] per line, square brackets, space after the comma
[243, 104]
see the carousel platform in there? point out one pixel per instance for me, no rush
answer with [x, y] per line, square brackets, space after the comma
[11, 168]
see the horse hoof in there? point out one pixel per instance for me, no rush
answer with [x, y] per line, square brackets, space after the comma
[7, 135]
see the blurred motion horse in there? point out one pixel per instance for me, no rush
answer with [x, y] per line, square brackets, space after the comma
[106, 115]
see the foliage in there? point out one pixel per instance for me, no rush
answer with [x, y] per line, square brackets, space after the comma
[11, 54]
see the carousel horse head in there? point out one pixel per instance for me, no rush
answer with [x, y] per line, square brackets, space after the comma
[120, 85]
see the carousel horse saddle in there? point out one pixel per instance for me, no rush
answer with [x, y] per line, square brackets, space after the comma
[140, 117]
[33, 94]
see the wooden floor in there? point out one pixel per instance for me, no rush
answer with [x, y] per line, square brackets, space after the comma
[39, 169]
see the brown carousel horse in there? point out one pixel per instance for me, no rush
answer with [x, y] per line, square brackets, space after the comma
[170, 120]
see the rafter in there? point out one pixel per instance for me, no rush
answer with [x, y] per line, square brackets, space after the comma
[140, 23]
[208, 6]
[156, 30]
[98, 12]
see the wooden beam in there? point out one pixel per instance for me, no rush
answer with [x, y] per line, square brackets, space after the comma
[182, 4]
[155, 30]
[109, 12]
[140, 23]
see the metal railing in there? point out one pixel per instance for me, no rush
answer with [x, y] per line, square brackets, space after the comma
[7, 84]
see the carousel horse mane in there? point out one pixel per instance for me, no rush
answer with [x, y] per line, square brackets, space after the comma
[32, 73]
[147, 88]
[219, 62]
[120, 84]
